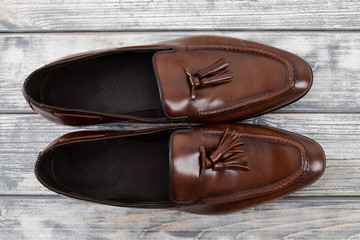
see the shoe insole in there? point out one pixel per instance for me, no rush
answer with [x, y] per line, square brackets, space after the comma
[130, 169]
[115, 84]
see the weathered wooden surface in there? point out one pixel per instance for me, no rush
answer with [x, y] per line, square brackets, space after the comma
[288, 218]
[334, 58]
[114, 15]
[325, 33]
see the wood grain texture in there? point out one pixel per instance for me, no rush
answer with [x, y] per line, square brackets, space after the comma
[334, 57]
[287, 218]
[325, 33]
[113, 15]
[22, 137]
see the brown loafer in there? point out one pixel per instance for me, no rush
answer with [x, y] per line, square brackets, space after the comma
[194, 79]
[211, 169]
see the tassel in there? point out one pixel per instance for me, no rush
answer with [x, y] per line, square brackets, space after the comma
[227, 155]
[216, 73]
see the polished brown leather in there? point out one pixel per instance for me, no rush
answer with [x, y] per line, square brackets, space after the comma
[209, 169]
[193, 79]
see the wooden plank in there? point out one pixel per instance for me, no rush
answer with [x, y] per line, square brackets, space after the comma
[23, 136]
[111, 15]
[334, 57]
[288, 218]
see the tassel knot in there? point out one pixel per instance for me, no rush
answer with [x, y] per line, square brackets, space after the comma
[227, 156]
[216, 73]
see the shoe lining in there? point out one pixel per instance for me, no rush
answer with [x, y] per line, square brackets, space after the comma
[121, 83]
[126, 169]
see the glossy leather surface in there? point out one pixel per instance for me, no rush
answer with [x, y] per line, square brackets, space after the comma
[272, 163]
[262, 78]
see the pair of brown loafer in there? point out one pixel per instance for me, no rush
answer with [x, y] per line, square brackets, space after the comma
[205, 169]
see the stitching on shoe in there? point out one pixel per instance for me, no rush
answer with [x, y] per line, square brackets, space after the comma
[252, 50]
[259, 188]
[171, 167]
[236, 196]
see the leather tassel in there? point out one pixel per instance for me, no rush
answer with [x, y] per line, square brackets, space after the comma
[217, 67]
[216, 73]
[217, 79]
[227, 156]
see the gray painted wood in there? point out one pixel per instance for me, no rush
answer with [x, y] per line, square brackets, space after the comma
[325, 33]
[288, 218]
[113, 15]
[24, 136]
[334, 57]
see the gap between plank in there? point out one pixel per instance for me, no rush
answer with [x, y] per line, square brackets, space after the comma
[56, 196]
[339, 30]
[29, 112]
